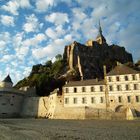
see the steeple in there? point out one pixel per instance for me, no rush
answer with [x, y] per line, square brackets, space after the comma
[100, 29]
[8, 79]
[100, 38]
[7, 82]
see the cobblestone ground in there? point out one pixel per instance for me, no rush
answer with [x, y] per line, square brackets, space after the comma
[42, 129]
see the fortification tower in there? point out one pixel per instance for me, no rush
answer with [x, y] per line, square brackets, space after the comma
[7, 82]
[100, 38]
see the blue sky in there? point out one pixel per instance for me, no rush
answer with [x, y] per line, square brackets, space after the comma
[34, 31]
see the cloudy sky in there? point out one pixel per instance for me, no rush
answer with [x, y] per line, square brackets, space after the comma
[34, 31]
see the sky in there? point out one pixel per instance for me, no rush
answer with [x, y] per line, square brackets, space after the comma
[34, 31]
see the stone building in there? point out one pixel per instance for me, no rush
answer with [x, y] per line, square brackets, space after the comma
[118, 92]
[10, 99]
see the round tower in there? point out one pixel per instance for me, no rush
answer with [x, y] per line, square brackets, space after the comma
[6, 83]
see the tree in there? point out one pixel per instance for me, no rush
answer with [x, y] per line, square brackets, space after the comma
[58, 57]
[48, 63]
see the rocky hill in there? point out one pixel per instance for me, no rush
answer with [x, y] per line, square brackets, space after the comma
[79, 62]
[89, 60]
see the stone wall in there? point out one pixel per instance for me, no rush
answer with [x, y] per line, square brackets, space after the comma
[10, 105]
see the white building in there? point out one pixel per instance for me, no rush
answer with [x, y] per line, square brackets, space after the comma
[120, 89]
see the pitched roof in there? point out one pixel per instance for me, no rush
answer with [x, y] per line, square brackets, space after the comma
[84, 83]
[8, 79]
[121, 70]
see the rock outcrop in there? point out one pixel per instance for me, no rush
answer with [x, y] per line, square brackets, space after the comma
[89, 59]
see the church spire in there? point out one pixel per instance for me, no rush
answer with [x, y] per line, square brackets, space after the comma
[100, 38]
[100, 29]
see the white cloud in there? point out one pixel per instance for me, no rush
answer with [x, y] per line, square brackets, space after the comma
[24, 3]
[2, 44]
[7, 20]
[55, 32]
[51, 33]
[54, 48]
[13, 6]
[42, 5]
[32, 24]
[34, 41]
[7, 58]
[58, 18]
[5, 36]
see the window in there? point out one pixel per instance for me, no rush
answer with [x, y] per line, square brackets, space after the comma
[118, 87]
[128, 99]
[126, 78]
[92, 100]
[67, 90]
[101, 100]
[110, 88]
[109, 79]
[75, 90]
[133, 77]
[84, 100]
[75, 100]
[101, 88]
[135, 86]
[117, 78]
[92, 89]
[127, 87]
[83, 89]
[120, 99]
[66, 100]
[137, 99]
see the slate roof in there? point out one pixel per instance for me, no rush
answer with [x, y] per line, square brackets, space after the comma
[121, 70]
[8, 79]
[84, 83]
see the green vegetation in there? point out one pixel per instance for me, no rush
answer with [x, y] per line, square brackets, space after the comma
[45, 77]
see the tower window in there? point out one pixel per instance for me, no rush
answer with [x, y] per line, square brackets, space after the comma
[133, 77]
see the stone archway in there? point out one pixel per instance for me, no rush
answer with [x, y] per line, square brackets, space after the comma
[120, 108]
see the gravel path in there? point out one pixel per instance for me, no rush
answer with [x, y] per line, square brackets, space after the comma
[43, 129]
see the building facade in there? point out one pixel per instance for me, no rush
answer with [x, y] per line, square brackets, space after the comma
[120, 90]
